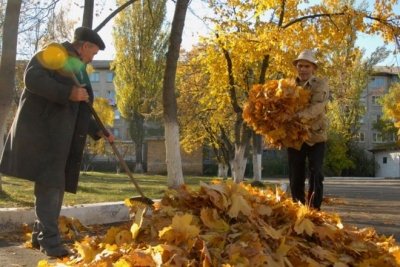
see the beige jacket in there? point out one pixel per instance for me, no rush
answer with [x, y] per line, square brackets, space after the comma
[317, 109]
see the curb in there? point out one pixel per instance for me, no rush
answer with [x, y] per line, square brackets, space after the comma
[11, 219]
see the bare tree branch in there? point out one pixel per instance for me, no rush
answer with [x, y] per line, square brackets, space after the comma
[115, 12]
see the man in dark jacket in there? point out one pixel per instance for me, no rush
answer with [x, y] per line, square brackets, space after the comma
[48, 135]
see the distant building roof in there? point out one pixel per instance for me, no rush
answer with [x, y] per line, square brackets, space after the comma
[384, 149]
[101, 64]
[387, 70]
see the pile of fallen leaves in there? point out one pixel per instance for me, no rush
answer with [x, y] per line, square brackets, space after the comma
[228, 224]
[270, 111]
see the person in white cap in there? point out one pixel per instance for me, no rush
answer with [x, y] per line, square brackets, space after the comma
[314, 148]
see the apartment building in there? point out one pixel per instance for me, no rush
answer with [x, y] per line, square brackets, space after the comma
[387, 157]
[382, 79]
[103, 86]
[154, 147]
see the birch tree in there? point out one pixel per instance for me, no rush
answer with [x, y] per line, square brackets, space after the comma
[173, 154]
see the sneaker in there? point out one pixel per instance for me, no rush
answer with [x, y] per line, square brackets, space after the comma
[57, 251]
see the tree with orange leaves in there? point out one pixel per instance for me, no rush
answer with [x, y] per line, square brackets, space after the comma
[261, 38]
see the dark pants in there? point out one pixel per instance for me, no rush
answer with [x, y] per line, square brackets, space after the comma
[48, 202]
[297, 173]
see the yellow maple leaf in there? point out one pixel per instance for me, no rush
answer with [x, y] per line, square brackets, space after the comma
[326, 231]
[122, 263]
[85, 251]
[217, 194]
[123, 237]
[304, 225]
[239, 204]
[270, 231]
[43, 263]
[109, 237]
[212, 220]
[396, 254]
[323, 254]
[141, 258]
[180, 229]
[138, 222]
[283, 248]
[263, 209]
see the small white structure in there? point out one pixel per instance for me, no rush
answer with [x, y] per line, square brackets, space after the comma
[388, 162]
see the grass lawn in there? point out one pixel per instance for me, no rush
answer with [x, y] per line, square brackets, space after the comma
[94, 187]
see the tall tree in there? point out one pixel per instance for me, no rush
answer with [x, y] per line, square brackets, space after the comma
[173, 154]
[140, 38]
[199, 123]
[277, 30]
[7, 64]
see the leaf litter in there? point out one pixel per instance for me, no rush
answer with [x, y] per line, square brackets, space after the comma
[225, 224]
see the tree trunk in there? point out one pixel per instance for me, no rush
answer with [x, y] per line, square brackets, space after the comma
[2, 133]
[173, 154]
[223, 171]
[257, 157]
[139, 157]
[7, 65]
[239, 164]
[88, 11]
[136, 128]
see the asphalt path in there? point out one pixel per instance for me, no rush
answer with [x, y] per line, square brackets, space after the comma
[359, 202]
[366, 203]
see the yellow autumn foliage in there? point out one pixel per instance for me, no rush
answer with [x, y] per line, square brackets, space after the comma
[268, 229]
[270, 111]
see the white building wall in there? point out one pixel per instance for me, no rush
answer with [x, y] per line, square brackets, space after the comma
[388, 164]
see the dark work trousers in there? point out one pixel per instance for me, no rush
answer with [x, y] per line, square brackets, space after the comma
[297, 173]
[48, 202]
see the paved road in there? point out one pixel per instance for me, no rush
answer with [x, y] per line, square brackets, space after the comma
[367, 203]
[359, 202]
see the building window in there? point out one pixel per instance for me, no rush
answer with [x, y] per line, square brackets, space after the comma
[362, 101]
[377, 82]
[392, 137]
[376, 99]
[110, 76]
[111, 97]
[360, 137]
[362, 120]
[117, 114]
[94, 77]
[115, 132]
[375, 118]
[96, 93]
[378, 138]
[384, 160]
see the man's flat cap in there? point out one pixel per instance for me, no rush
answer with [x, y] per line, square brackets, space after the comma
[89, 35]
